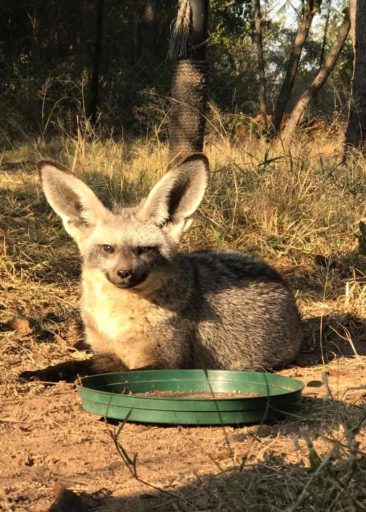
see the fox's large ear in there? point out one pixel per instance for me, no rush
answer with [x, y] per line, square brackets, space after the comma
[71, 199]
[176, 197]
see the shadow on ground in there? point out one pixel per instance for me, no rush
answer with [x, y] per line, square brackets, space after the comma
[330, 336]
[266, 487]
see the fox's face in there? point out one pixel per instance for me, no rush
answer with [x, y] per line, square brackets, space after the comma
[127, 250]
[128, 245]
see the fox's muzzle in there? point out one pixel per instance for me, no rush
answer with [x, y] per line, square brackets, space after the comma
[126, 278]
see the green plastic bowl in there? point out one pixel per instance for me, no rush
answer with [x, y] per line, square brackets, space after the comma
[124, 396]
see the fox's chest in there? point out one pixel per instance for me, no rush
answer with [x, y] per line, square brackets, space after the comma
[114, 313]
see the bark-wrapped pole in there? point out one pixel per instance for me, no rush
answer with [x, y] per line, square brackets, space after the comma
[189, 80]
[188, 106]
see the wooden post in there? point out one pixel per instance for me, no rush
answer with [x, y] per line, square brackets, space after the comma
[189, 84]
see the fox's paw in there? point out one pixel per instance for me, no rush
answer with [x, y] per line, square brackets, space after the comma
[67, 371]
[41, 375]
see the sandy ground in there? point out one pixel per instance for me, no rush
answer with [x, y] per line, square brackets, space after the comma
[47, 438]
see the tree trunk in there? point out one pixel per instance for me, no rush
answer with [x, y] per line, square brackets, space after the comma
[94, 86]
[189, 86]
[262, 95]
[356, 129]
[305, 20]
[325, 33]
[318, 82]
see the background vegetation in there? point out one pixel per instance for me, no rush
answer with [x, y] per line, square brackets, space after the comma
[47, 58]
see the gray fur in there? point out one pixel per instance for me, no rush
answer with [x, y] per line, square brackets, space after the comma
[149, 306]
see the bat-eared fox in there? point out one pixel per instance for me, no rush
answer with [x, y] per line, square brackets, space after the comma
[146, 305]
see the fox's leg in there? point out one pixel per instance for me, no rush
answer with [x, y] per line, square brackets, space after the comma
[68, 371]
[136, 351]
[141, 358]
[101, 362]
[71, 370]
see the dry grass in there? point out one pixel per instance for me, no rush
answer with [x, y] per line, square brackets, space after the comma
[298, 208]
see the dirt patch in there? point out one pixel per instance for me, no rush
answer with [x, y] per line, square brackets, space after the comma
[47, 437]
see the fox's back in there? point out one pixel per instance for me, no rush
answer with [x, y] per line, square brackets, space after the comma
[243, 312]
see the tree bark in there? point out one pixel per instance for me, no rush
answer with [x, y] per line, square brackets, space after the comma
[189, 89]
[325, 34]
[318, 82]
[305, 20]
[356, 129]
[262, 93]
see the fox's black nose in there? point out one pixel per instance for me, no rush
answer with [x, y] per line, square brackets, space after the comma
[122, 273]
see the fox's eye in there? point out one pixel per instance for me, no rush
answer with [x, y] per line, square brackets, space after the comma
[143, 250]
[107, 248]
